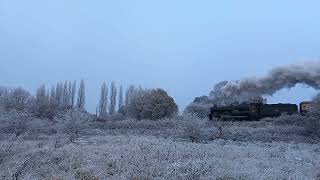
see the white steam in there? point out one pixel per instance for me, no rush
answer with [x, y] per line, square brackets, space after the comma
[307, 73]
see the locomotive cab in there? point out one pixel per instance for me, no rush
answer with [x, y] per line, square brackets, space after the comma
[305, 107]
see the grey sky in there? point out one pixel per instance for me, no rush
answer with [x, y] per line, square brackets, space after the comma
[182, 46]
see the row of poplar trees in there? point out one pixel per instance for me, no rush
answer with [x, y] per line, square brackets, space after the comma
[62, 96]
[108, 104]
[113, 99]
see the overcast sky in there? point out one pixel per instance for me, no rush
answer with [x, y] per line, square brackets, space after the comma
[182, 46]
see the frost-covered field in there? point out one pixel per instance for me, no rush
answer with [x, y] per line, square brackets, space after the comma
[147, 157]
[177, 149]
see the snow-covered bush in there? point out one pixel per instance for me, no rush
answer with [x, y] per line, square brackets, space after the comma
[133, 125]
[44, 110]
[117, 117]
[6, 147]
[42, 106]
[14, 122]
[85, 175]
[294, 119]
[312, 123]
[138, 157]
[151, 104]
[4, 92]
[72, 125]
[18, 99]
[21, 100]
[194, 128]
[198, 109]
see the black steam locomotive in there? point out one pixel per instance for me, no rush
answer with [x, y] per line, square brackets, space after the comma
[256, 111]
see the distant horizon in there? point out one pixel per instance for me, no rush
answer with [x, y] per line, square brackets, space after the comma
[270, 99]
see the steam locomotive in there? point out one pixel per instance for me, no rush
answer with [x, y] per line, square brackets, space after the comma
[256, 111]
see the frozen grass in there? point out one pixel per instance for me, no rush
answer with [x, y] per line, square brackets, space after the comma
[147, 157]
[77, 146]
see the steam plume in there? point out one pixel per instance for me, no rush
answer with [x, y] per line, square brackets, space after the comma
[307, 73]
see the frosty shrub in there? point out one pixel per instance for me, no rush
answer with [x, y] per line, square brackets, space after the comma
[198, 109]
[84, 175]
[13, 122]
[44, 109]
[18, 99]
[117, 117]
[42, 106]
[6, 147]
[161, 124]
[72, 130]
[19, 126]
[294, 119]
[73, 124]
[312, 123]
[151, 104]
[192, 128]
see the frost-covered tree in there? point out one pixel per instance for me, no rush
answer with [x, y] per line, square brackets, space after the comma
[120, 103]
[48, 96]
[65, 95]
[69, 95]
[103, 103]
[17, 99]
[43, 106]
[73, 93]
[81, 96]
[3, 91]
[41, 95]
[129, 94]
[113, 98]
[53, 96]
[3, 94]
[200, 107]
[59, 95]
[313, 122]
[151, 104]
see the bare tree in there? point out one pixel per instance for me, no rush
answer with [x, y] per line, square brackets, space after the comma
[47, 99]
[59, 95]
[81, 96]
[126, 97]
[41, 95]
[3, 91]
[43, 106]
[113, 98]
[65, 95]
[129, 94]
[73, 93]
[69, 95]
[16, 99]
[103, 103]
[120, 103]
[53, 96]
